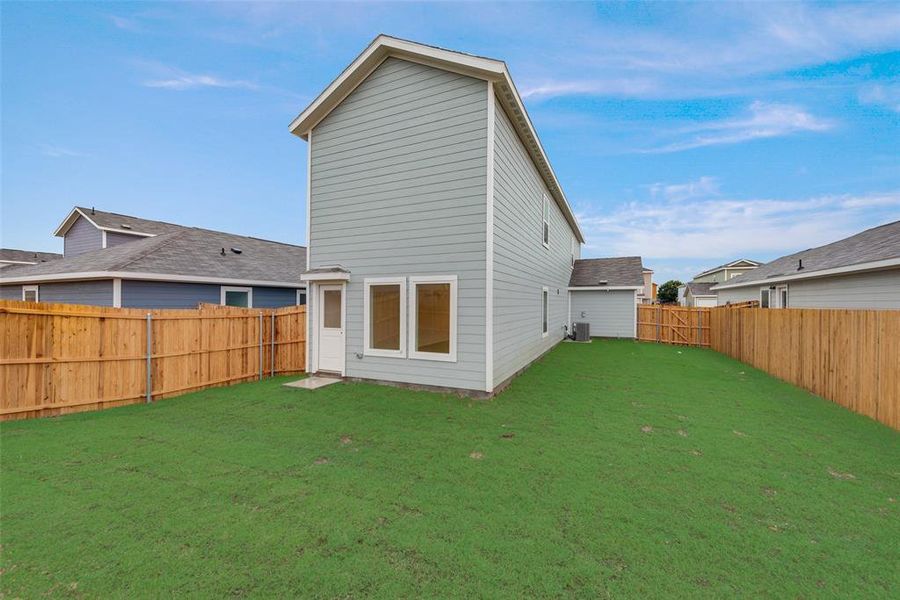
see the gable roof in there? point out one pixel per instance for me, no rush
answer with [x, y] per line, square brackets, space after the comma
[488, 69]
[876, 248]
[735, 264]
[700, 288]
[27, 256]
[623, 271]
[110, 221]
[186, 254]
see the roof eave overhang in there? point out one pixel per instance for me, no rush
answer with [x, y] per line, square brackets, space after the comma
[608, 288]
[70, 220]
[480, 68]
[140, 276]
[878, 265]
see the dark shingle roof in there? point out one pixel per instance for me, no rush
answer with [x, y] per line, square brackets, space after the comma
[878, 243]
[127, 223]
[28, 256]
[700, 288]
[619, 271]
[187, 251]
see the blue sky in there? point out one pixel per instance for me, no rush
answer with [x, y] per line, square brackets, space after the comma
[690, 134]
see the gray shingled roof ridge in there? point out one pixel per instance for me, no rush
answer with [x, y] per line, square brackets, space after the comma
[161, 240]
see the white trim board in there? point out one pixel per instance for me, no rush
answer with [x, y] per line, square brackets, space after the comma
[88, 275]
[861, 267]
[489, 246]
[234, 288]
[336, 276]
[117, 293]
[400, 282]
[608, 288]
[454, 314]
[77, 212]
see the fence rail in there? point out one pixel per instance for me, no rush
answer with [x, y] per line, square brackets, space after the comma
[61, 358]
[851, 357]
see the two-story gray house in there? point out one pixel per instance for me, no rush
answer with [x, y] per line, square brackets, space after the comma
[441, 245]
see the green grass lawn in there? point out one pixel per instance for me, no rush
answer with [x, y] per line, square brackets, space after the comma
[614, 469]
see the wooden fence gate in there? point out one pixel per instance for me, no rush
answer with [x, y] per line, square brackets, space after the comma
[61, 358]
[682, 325]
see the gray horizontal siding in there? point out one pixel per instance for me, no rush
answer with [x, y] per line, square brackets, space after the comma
[82, 237]
[610, 314]
[879, 289]
[96, 293]
[399, 189]
[11, 292]
[114, 239]
[737, 295]
[522, 265]
[266, 297]
[167, 294]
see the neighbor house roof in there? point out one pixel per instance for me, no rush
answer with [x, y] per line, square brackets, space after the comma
[872, 249]
[735, 264]
[26, 256]
[186, 254]
[488, 69]
[624, 271]
[109, 221]
[699, 288]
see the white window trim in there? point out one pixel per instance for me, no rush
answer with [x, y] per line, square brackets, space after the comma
[778, 290]
[413, 353]
[235, 288]
[545, 290]
[367, 284]
[765, 290]
[31, 288]
[297, 298]
[572, 250]
[545, 220]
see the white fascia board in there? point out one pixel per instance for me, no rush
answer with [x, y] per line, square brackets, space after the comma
[70, 220]
[126, 231]
[325, 277]
[612, 288]
[87, 275]
[867, 266]
[16, 262]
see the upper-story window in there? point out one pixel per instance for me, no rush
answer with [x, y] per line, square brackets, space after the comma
[545, 224]
[572, 249]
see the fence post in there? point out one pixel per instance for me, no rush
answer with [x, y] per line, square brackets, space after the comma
[272, 348]
[149, 358]
[658, 320]
[260, 345]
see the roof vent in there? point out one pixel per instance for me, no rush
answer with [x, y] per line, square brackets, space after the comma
[92, 210]
[125, 226]
[603, 282]
[236, 250]
[800, 264]
[223, 251]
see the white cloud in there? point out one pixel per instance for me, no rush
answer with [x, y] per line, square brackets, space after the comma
[703, 187]
[188, 81]
[719, 228]
[54, 151]
[887, 95]
[764, 120]
[610, 87]
[124, 23]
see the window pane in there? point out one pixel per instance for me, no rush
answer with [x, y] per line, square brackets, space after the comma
[546, 233]
[384, 320]
[236, 299]
[784, 300]
[30, 296]
[764, 298]
[331, 311]
[545, 300]
[433, 317]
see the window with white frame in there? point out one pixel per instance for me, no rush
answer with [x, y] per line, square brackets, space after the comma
[545, 221]
[545, 312]
[781, 294]
[385, 317]
[236, 296]
[301, 297]
[432, 322]
[764, 297]
[30, 293]
[572, 250]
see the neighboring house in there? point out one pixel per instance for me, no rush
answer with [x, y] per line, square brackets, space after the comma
[647, 295]
[605, 292]
[697, 291]
[162, 266]
[727, 271]
[441, 246]
[14, 258]
[698, 294]
[861, 271]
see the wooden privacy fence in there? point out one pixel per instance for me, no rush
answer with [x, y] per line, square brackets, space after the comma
[682, 325]
[61, 358]
[851, 357]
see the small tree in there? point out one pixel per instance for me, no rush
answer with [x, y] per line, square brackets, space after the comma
[667, 293]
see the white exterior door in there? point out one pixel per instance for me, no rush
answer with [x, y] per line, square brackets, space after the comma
[330, 325]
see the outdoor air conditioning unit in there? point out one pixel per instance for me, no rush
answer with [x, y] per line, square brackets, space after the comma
[582, 332]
